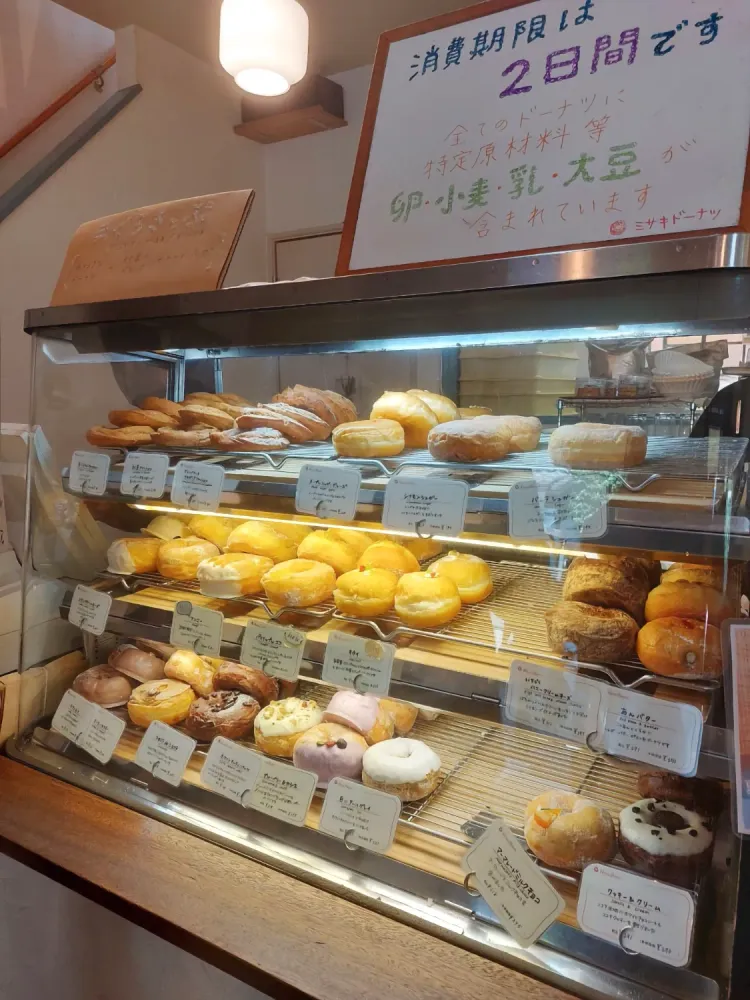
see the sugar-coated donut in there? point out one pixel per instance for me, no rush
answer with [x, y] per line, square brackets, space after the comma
[261, 538]
[280, 725]
[525, 431]
[680, 647]
[314, 400]
[299, 583]
[391, 556]
[133, 555]
[188, 667]
[682, 599]
[103, 686]
[164, 701]
[178, 437]
[138, 664]
[212, 528]
[369, 439]
[119, 437]
[260, 439]
[365, 593]
[319, 429]
[469, 573]
[565, 830]
[403, 714]
[443, 408]
[232, 574]
[665, 840]
[261, 416]
[231, 676]
[162, 406]
[424, 601]
[411, 412]
[578, 631]
[470, 441]
[180, 559]
[361, 712]
[166, 528]
[222, 713]
[403, 767]
[329, 547]
[345, 408]
[598, 446]
[142, 418]
[360, 541]
[194, 413]
[330, 751]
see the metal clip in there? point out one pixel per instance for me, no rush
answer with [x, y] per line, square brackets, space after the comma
[355, 682]
[247, 791]
[349, 847]
[472, 892]
[319, 508]
[157, 764]
[621, 935]
[418, 529]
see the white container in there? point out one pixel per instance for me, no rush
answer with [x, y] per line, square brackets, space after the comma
[511, 368]
[518, 387]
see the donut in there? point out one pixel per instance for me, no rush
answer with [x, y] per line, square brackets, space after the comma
[180, 559]
[161, 649]
[415, 416]
[425, 601]
[404, 715]
[136, 663]
[260, 416]
[470, 441]
[665, 840]
[525, 431]
[391, 556]
[345, 408]
[360, 541]
[330, 548]
[260, 439]
[365, 593]
[299, 583]
[443, 408]
[194, 413]
[262, 538]
[166, 528]
[188, 667]
[177, 437]
[423, 548]
[469, 573]
[213, 529]
[232, 575]
[709, 576]
[162, 406]
[232, 676]
[319, 429]
[103, 686]
[369, 439]
[403, 767]
[361, 712]
[313, 400]
[680, 647]
[164, 701]
[126, 556]
[330, 751]
[701, 794]
[119, 437]
[222, 713]
[278, 727]
[682, 599]
[565, 830]
[141, 418]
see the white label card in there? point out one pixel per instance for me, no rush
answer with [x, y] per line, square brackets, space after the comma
[328, 490]
[230, 770]
[103, 735]
[89, 609]
[640, 915]
[662, 734]
[362, 664]
[197, 628]
[362, 816]
[512, 886]
[165, 753]
[197, 485]
[558, 702]
[89, 472]
[431, 506]
[144, 475]
[282, 791]
[275, 649]
[561, 507]
[73, 716]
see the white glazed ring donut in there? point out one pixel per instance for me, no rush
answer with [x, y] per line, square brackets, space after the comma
[403, 767]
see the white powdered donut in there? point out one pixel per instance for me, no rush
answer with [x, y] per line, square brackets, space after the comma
[403, 767]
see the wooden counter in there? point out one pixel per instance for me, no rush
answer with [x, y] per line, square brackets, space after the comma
[281, 936]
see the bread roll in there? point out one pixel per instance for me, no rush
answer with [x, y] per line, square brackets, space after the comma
[709, 576]
[680, 647]
[688, 600]
[608, 583]
[525, 431]
[598, 446]
[583, 632]
[470, 441]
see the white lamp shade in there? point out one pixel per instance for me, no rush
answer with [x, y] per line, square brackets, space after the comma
[264, 43]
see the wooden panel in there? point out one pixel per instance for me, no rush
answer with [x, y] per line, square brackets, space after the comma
[279, 935]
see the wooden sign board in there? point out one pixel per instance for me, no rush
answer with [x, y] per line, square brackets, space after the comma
[506, 128]
[178, 246]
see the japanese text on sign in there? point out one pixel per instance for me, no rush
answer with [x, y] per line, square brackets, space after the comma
[328, 490]
[165, 753]
[197, 485]
[89, 609]
[197, 628]
[230, 770]
[282, 791]
[89, 726]
[558, 702]
[428, 506]
[559, 507]
[363, 664]
[362, 816]
[276, 649]
[144, 475]
[89, 472]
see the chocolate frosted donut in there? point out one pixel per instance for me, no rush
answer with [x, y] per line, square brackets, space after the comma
[223, 713]
[665, 840]
[700, 794]
[237, 677]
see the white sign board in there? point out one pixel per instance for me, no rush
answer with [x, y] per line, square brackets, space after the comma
[557, 123]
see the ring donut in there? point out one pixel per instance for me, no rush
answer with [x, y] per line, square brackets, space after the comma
[142, 418]
[403, 767]
[119, 437]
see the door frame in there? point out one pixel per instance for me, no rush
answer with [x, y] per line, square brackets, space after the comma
[295, 236]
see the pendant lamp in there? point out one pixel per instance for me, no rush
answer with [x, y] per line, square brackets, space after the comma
[263, 44]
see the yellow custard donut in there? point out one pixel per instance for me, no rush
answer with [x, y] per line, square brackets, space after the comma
[469, 573]
[299, 583]
[365, 593]
[261, 539]
[233, 574]
[282, 723]
[443, 408]
[424, 601]
[166, 701]
[180, 559]
[328, 547]
[191, 669]
[213, 529]
[414, 415]
[391, 556]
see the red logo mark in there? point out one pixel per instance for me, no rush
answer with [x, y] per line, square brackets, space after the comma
[618, 228]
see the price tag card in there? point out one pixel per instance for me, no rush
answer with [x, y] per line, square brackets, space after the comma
[197, 485]
[363, 664]
[197, 628]
[89, 472]
[328, 490]
[429, 506]
[103, 735]
[275, 649]
[73, 716]
[230, 770]
[659, 733]
[512, 886]
[89, 609]
[640, 915]
[362, 816]
[144, 475]
[562, 507]
[165, 753]
[558, 702]
[282, 791]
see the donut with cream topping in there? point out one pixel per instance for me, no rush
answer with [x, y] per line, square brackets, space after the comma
[403, 767]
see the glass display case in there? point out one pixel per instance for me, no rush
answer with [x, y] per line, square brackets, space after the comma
[335, 620]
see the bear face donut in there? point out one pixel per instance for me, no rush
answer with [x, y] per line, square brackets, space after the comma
[565, 830]
[666, 840]
[403, 767]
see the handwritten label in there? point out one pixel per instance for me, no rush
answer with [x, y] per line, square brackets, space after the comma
[558, 702]
[89, 609]
[276, 649]
[73, 716]
[197, 628]
[89, 472]
[561, 508]
[230, 770]
[659, 733]
[197, 485]
[428, 506]
[328, 490]
[512, 885]
[642, 916]
[144, 475]
[363, 664]
[165, 753]
[282, 791]
[103, 735]
[362, 816]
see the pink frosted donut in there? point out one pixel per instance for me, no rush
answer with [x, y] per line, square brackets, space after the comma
[361, 712]
[330, 751]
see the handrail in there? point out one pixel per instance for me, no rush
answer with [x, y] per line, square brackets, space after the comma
[36, 123]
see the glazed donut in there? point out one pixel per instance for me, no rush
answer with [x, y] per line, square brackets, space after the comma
[391, 556]
[682, 599]
[404, 715]
[443, 408]
[361, 712]
[136, 663]
[328, 547]
[180, 559]
[103, 686]
[319, 429]
[709, 576]
[360, 541]
[223, 713]
[680, 647]
[313, 400]
[665, 841]
[141, 418]
[299, 583]
[415, 416]
[565, 830]
[160, 701]
[260, 538]
[330, 751]
[162, 406]
[469, 573]
[232, 676]
[345, 408]
[365, 593]
[369, 439]
[403, 767]
[701, 794]
[176, 437]
[260, 416]
[278, 727]
[119, 437]
[261, 439]
[205, 415]
[188, 667]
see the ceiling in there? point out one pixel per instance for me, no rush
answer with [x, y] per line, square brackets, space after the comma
[343, 33]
